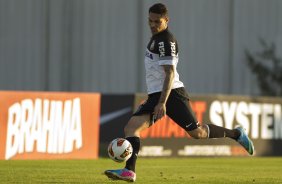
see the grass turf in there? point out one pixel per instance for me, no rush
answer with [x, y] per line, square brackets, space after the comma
[209, 170]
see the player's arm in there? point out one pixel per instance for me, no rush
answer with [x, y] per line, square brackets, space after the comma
[169, 76]
[167, 48]
[160, 108]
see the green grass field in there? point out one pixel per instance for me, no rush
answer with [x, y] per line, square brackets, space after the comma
[150, 171]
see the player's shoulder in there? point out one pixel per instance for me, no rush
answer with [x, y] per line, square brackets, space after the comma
[165, 44]
[165, 36]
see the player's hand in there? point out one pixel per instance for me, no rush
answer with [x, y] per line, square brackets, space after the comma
[159, 111]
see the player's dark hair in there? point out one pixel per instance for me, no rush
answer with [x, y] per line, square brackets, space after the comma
[159, 8]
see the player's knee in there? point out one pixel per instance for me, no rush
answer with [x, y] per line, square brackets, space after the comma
[199, 133]
[196, 135]
[136, 125]
[130, 129]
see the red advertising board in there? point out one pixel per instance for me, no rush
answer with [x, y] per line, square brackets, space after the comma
[49, 125]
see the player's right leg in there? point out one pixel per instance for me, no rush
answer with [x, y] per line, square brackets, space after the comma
[132, 133]
[140, 120]
[121, 174]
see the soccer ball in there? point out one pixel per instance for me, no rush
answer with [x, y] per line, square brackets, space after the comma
[120, 150]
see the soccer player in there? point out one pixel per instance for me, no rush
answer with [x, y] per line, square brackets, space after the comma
[167, 96]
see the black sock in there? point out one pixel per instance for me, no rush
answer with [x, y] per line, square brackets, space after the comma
[135, 142]
[219, 132]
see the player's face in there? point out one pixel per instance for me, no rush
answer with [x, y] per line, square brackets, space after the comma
[157, 23]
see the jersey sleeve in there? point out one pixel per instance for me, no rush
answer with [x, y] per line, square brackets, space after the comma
[167, 50]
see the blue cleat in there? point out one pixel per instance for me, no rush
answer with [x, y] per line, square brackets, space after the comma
[121, 174]
[245, 141]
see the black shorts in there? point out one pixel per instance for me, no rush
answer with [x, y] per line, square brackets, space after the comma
[177, 108]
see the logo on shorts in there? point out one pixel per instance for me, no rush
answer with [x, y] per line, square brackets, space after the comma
[187, 126]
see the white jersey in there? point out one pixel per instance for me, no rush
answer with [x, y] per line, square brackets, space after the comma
[161, 50]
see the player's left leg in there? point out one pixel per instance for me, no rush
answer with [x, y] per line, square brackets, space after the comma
[180, 111]
[245, 141]
[205, 131]
[212, 131]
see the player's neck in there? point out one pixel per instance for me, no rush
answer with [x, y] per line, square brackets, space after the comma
[161, 31]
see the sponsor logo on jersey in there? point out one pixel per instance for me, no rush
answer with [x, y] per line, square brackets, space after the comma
[173, 48]
[161, 49]
[149, 55]
[152, 46]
